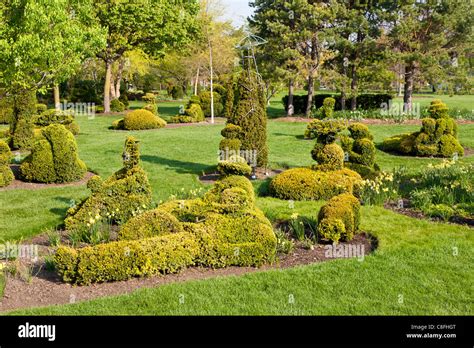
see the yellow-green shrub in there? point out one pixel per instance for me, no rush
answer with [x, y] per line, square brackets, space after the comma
[150, 224]
[126, 259]
[142, 119]
[328, 156]
[235, 165]
[53, 116]
[308, 184]
[339, 218]
[54, 158]
[6, 174]
[121, 195]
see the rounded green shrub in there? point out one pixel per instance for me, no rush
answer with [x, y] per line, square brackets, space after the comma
[235, 165]
[6, 174]
[142, 119]
[449, 145]
[54, 158]
[117, 106]
[231, 131]
[53, 116]
[327, 110]
[329, 157]
[206, 103]
[150, 224]
[360, 131]
[40, 108]
[339, 218]
[307, 184]
[230, 145]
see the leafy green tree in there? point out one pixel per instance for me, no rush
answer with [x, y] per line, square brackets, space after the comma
[153, 26]
[427, 35]
[42, 43]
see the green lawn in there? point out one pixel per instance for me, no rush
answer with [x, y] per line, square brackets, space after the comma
[414, 260]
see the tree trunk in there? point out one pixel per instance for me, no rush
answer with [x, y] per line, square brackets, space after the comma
[112, 87]
[309, 103]
[343, 92]
[212, 81]
[196, 82]
[57, 101]
[409, 82]
[354, 84]
[291, 108]
[400, 84]
[108, 77]
[118, 81]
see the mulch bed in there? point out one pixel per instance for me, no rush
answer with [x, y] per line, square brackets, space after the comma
[261, 174]
[46, 288]
[407, 210]
[18, 184]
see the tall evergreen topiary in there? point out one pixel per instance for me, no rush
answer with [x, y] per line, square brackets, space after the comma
[21, 125]
[6, 174]
[250, 114]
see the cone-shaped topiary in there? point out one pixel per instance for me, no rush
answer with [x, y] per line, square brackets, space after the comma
[6, 174]
[54, 158]
[250, 114]
[438, 136]
[118, 198]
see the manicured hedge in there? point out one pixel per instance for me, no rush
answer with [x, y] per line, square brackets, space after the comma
[126, 259]
[6, 174]
[364, 101]
[142, 119]
[307, 184]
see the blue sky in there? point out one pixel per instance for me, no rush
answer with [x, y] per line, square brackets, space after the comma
[237, 10]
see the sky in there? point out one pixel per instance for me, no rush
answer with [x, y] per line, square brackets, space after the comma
[237, 11]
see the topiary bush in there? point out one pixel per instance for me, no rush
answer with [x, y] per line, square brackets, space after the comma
[21, 123]
[327, 110]
[326, 152]
[205, 98]
[6, 110]
[40, 108]
[306, 184]
[339, 219]
[249, 113]
[192, 113]
[223, 228]
[6, 174]
[140, 120]
[234, 165]
[53, 116]
[120, 196]
[54, 158]
[360, 150]
[438, 136]
[117, 106]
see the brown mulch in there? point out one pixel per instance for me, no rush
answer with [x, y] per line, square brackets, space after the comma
[261, 174]
[46, 288]
[409, 211]
[368, 121]
[18, 184]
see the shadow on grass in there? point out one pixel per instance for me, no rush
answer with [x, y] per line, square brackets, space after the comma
[180, 167]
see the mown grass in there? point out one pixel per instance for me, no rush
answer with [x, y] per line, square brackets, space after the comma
[415, 259]
[420, 268]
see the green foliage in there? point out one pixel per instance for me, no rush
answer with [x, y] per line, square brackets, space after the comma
[360, 150]
[339, 218]
[222, 229]
[206, 103]
[6, 110]
[437, 137]
[140, 120]
[120, 196]
[117, 106]
[378, 190]
[307, 184]
[21, 125]
[329, 157]
[231, 131]
[250, 114]
[327, 110]
[192, 113]
[40, 108]
[230, 145]
[176, 92]
[325, 131]
[6, 174]
[54, 159]
[53, 116]
[126, 259]
[235, 165]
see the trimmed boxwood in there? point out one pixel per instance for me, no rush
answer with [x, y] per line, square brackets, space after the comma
[142, 119]
[54, 158]
[53, 116]
[339, 218]
[6, 174]
[306, 184]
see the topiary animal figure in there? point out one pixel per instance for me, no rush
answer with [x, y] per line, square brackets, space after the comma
[6, 174]
[21, 122]
[54, 158]
[360, 150]
[437, 137]
[192, 113]
[326, 152]
[231, 162]
[339, 219]
[118, 198]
